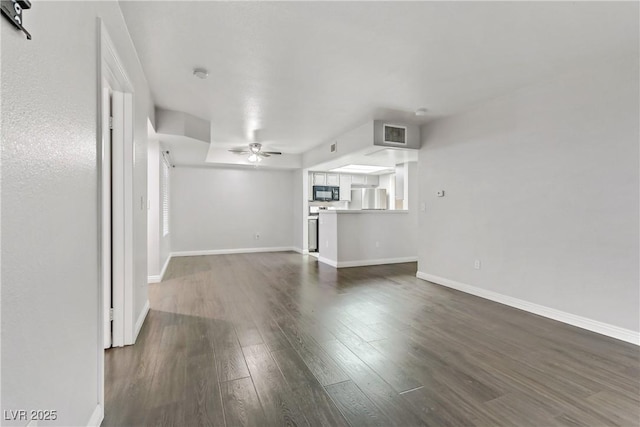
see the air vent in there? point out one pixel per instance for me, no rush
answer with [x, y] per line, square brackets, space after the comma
[334, 147]
[395, 134]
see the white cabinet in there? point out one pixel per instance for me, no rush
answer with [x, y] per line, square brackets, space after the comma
[345, 187]
[365, 180]
[358, 179]
[333, 179]
[372, 180]
[319, 178]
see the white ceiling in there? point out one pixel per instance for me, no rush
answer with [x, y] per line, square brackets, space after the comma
[303, 72]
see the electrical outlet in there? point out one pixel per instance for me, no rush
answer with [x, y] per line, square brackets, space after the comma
[476, 264]
[257, 236]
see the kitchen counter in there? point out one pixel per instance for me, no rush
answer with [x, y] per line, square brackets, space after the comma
[350, 238]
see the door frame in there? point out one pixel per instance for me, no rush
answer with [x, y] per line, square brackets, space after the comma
[115, 254]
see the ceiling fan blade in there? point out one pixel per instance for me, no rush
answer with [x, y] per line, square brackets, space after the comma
[277, 153]
[239, 151]
[263, 154]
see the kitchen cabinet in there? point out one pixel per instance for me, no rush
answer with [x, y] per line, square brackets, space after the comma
[333, 179]
[319, 178]
[372, 180]
[365, 180]
[345, 187]
[358, 179]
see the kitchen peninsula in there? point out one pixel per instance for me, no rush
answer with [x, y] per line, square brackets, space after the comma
[350, 238]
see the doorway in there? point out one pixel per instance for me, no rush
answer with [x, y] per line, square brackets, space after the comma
[115, 204]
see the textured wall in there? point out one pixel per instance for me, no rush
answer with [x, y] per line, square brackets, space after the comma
[299, 208]
[49, 206]
[222, 208]
[154, 225]
[542, 187]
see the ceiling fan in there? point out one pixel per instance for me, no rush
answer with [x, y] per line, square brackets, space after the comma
[255, 152]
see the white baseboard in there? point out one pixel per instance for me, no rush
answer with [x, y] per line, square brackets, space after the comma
[159, 277]
[140, 321]
[328, 261]
[301, 251]
[96, 417]
[612, 331]
[232, 251]
[366, 262]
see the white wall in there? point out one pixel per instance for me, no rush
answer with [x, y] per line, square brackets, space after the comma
[542, 187]
[349, 238]
[49, 205]
[164, 249]
[158, 243]
[222, 208]
[298, 206]
[154, 208]
[349, 142]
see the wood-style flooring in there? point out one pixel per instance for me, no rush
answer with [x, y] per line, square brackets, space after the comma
[277, 339]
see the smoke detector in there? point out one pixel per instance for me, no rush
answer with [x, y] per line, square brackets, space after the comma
[421, 112]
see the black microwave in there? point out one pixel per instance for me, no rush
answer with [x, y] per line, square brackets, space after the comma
[325, 193]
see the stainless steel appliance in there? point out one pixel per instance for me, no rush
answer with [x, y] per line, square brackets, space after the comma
[368, 198]
[313, 234]
[325, 193]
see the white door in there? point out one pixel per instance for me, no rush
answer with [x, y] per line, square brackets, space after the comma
[106, 212]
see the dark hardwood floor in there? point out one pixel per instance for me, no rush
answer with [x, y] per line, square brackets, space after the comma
[277, 339]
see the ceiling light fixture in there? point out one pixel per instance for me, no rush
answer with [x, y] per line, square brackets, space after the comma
[200, 73]
[254, 158]
[254, 147]
[421, 112]
[364, 169]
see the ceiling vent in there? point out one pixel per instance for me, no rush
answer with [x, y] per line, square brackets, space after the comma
[394, 134]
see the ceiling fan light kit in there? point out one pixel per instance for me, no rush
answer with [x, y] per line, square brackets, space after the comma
[255, 152]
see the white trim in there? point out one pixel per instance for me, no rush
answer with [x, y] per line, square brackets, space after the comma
[96, 417]
[157, 278]
[112, 71]
[129, 273]
[301, 251]
[232, 251]
[105, 210]
[612, 331]
[366, 262]
[327, 261]
[140, 321]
